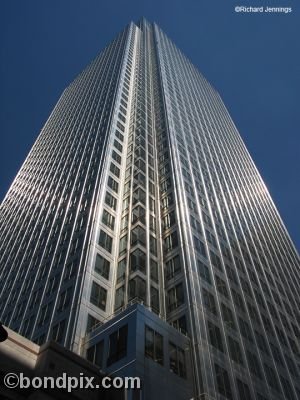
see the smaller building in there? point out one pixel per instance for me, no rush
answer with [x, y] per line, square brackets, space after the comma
[20, 355]
[135, 343]
[138, 343]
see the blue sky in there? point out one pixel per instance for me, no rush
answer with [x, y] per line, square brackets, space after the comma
[253, 60]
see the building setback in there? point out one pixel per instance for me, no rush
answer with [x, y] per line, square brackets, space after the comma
[139, 189]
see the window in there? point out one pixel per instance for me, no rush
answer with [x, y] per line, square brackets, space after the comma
[254, 365]
[180, 324]
[139, 195]
[153, 270]
[235, 350]
[204, 271]
[192, 205]
[113, 184]
[121, 270]
[169, 220]
[215, 336]
[119, 298]
[154, 299]
[261, 342]
[151, 173]
[287, 388]
[221, 286]
[196, 224]
[114, 169]
[98, 296]
[165, 185]
[271, 377]
[102, 266]
[207, 220]
[140, 164]
[175, 297]
[200, 247]
[108, 219]
[276, 354]
[52, 285]
[139, 179]
[281, 336]
[139, 214]
[35, 298]
[177, 360]
[291, 365]
[231, 274]
[105, 241]
[140, 152]
[123, 119]
[296, 331]
[154, 345]
[118, 145]
[137, 289]
[243, 390]
[293, 344]
[216, 261]
[119, 135]
[95, 353]
[65, 299]
[110, 201]
[45, 313]
[151, 204]
[164, 170]
[238, 301]
[239, 264]
[225, 251]
[170, 242]
[138, 261]
[172, 267]
[252, 276]
[58, 331]
[28, 326]
[117, 345]
[91, 323]
[167, 201]
[266, 321]
[116, 157]
[152, 245]
[223, 382]
[152, 223]
[228, 317]
[211, 238]
[124, 223]
[209, 301]
[119, 125]
[246, 288]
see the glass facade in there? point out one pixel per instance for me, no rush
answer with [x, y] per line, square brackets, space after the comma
[140, 188]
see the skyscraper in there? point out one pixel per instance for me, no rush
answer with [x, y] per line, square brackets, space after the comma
[139, 188]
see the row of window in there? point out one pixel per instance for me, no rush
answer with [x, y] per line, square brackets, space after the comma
[224, 387]
[135, 180]
[154, 349]
[211, 239]
[221, 286]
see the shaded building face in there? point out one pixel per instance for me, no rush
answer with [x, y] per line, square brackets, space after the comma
[140, 189]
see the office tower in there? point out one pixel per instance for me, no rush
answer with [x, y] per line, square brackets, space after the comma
[140, 189]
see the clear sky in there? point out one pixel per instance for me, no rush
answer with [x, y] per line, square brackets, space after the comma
[252, 59]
